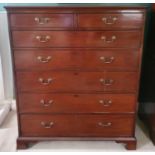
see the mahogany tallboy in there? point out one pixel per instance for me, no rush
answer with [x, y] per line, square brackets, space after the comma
[76, 72]
[147, 86]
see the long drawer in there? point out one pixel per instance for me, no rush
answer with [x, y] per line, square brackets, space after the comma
[77, 125]
[76, 103]
[44, 20]
[122, 39]
[65, 81]
[110, 20]
[82, 59]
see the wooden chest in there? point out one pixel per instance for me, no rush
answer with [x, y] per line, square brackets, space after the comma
[76, 72]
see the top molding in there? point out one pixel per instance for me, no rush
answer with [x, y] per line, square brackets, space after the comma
[74, 9]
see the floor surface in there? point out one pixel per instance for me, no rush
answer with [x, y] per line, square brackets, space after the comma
[8, 134]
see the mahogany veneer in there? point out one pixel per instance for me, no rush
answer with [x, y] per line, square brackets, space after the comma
[126, 20]
[76, 103]
[31, 20]
[72, 81]
[76, 72]
[77, 125]
[93, 59]
[93, 39]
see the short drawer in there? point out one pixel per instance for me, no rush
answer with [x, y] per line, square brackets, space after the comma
[128, 39]
[77, 125]
[113, 20]
[75, 59]
[49, 21]
[68, 81]
[76, 103]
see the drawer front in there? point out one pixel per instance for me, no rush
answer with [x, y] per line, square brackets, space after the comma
[108, 21]
[128, 39]
[77, 125]
[76, 103]
[76, 81]
[76, 59]
[41, 20]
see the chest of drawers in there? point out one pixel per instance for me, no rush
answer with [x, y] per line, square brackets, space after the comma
[76, 72]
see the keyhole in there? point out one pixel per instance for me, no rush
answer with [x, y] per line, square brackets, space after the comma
[76, 95]
[76, 73]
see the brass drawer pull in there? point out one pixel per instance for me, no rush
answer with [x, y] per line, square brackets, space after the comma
[105, 103]
[45, 82]
[104, 38]
[107, 124]
[46, 104]
[43, 39]
[44, 60]
[109, 20]
[107, 60]
[107, 82]
[42, 21]
[47, 125]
